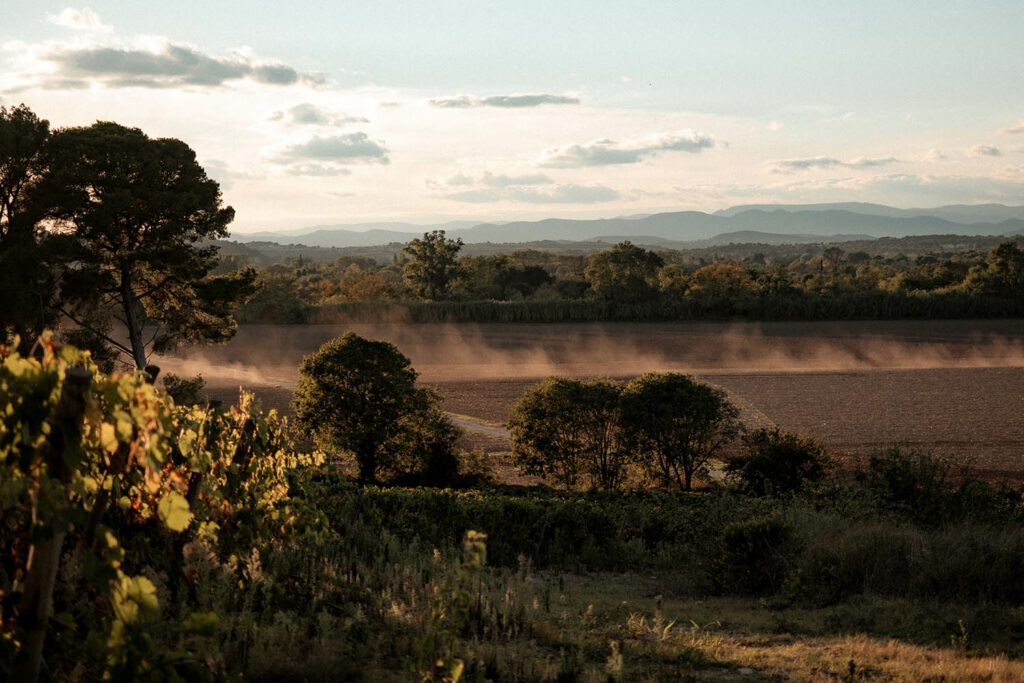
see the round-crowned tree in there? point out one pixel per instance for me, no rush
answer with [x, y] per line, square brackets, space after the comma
[358, 398]
[675, 424]
[567, 431]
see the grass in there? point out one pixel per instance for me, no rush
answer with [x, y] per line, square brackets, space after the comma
[722, 638]
[367, 605]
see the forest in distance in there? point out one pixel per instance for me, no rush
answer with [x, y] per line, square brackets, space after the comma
[642, 520]
[429, 281]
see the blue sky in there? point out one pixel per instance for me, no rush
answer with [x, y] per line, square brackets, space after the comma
[325, 112]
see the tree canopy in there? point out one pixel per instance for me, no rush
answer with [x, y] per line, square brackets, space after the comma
[567, 430]
[28, 267]
[358, 398]
[433, 265]
[676, 423]
[625, 272]
[139, 210]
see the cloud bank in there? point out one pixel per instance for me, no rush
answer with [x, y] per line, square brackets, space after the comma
[166, 65]
[984, 151]
[78, 20]
[329, 155]
[530, 188]
[1015, 128]
[558, 194]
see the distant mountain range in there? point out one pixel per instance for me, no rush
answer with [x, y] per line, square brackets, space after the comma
[772, 224]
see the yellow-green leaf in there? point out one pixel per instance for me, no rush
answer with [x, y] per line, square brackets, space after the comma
[108, 437]
[124, 429]
[174, 511]
[134, 596]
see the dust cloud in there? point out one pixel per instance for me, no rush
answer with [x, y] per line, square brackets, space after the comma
[271, 354]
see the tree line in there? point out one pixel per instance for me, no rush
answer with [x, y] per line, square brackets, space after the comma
[431, 281]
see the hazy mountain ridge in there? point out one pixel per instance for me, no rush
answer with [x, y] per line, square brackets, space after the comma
[956, 213]
[799, 223]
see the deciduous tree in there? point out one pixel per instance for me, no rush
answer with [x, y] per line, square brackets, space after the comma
[433, 265]
[676, 424]
[358, 398]
[625, 272]
[568, 431]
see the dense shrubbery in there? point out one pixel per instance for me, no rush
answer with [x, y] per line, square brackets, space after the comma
[824, 545]
[107, 484]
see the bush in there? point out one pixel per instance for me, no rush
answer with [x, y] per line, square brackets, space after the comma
[915, 484]
[754, 555]
[777, 462]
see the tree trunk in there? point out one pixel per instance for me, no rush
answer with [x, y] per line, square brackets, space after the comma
[133, 319]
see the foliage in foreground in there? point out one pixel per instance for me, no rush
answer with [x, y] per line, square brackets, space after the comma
[107, 485]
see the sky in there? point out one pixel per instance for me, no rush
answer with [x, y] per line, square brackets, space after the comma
[324, 112]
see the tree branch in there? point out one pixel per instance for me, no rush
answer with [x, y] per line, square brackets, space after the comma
[102, 335]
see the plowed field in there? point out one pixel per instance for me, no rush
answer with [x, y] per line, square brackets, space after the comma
[953, 387]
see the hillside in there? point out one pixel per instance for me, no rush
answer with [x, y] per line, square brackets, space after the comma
[762, 223]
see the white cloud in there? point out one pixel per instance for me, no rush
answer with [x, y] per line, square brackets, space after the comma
[504, 101]
[557, 194]
[809, 163]
[918, 187]
[608, 152]
[330, 155]
[151, 62]
[530, 188]
[775, 125]
[935, 155]
[508, 181]
[1015, 128]
[306, 114]
[79, 20]
[983, 151]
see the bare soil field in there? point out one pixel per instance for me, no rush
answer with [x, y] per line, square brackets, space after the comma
[953, 387]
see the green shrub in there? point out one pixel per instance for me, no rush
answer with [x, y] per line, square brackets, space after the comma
[915, 484]
[777, 462]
